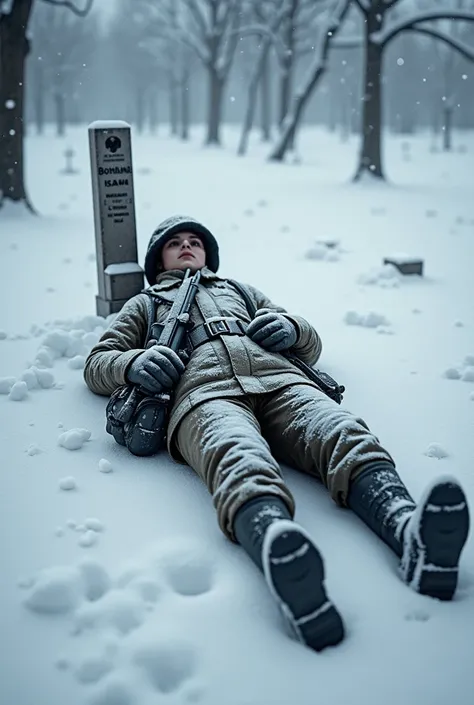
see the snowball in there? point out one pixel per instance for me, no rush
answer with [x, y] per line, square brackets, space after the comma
[77, 362]
[44, 377]
[30, 378]
[372, 320]
[74, 439]
[452, 373]
[95, 579]
[6, 383]
[94, 524]
[44, 358]
[469, 360]
[89, 538]
[59, 531]
[33, 449]
[468, 374]
[56, 591]
[19, 391]
[67, 483]
[105, 465]
[434, 450]
[71, 524]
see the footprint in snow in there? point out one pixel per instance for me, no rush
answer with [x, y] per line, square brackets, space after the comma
[167, 665]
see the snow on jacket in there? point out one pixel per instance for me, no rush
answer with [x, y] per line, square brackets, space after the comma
[228, 365]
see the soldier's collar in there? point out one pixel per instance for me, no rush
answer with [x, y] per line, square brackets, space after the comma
[173, 277]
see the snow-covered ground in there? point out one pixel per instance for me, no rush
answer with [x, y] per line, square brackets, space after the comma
[116, 586]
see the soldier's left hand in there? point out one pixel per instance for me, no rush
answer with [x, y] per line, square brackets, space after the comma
[272, 331]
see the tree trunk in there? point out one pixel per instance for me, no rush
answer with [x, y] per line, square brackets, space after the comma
[302, 96]
[60, 113]
[265, 99]
[185, 87]
[447, 128]
[252, 94]
[39, 100]
[370, 157]
[153, 111]
[173, 96]
[216, 94]
[14, 48]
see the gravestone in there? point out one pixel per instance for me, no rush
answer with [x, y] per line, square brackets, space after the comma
[69, 154]
[119, 275]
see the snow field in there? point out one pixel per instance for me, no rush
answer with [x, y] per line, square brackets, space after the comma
[121, 590]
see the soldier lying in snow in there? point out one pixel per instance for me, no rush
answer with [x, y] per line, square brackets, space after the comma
[239, 407]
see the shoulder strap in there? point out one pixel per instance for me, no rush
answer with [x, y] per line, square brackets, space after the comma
[243, 291]
[151, 306]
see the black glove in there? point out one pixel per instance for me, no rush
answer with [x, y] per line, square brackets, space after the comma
[272, 331]
[157, 369]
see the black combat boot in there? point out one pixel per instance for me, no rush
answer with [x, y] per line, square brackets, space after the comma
[293, 569]
[428, 538]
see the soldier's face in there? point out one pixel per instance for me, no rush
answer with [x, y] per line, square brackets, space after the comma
[184, 251]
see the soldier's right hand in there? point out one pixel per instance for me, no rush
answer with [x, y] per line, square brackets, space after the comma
[157, 369]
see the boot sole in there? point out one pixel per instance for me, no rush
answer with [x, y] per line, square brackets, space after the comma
[443, 531]
[294, 570]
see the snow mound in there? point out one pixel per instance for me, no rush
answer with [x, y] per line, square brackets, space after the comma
[88, 539]
[368, 320]
[74, 439]
[19, 391]
[435, 450]
[67, 483]
[77, 362]
[464, 372]
[34, 449]
[328, 251]
[386, 277]
[105, 465]
[6, 383]
[56, 591]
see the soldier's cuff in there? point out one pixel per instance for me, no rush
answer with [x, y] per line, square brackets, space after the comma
[123, 364]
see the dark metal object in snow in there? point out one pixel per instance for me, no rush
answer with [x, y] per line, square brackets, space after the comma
[405, 266]
[119, 275]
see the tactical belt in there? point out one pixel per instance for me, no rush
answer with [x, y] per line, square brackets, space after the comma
[213, 329]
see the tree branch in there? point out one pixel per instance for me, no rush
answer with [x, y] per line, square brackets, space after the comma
[384, 36]
[465, 51]
[70, 6]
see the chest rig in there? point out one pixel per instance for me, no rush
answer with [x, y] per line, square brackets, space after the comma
[209, 330]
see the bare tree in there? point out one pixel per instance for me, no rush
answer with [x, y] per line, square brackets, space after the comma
[379, 32]
[209, 28]
[14, 48]
[329, 23]
[268, 17]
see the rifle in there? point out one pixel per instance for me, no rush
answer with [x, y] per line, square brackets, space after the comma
[136, 418]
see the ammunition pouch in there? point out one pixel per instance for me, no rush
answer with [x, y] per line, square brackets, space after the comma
[137, 420]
